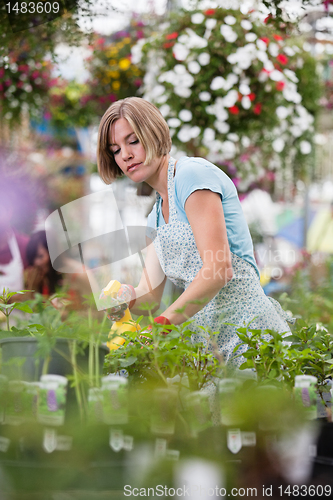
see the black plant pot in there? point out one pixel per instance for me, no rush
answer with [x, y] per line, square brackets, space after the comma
[20, 360]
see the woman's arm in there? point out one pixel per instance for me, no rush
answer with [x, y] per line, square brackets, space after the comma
[152, 282]
[205, 214]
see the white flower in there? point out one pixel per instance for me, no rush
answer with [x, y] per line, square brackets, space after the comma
[230, 19]
[172, 132]
[180, 52]
[278, 145]
[291, 75]
[233, 137]
[261, 45]
[246, 102]
[217, 83]
[182, 91]
[197, 18]
[290, 93]
[230, 99]
[276, 75]
[184, 135]
[204, 96]
[165, 110]
[210, 23]
[174, 122]
[246, 25]
[27, 87]
[295, 131]
[195, 131]
[157, 91]
[273, 49]
[305, 147]
[136, 51]
[219, 111]
[204, 58]
[268, 65]
[194, 67]
[230, 81]
[168, 76]
[289, 51]
[246, 142]
[250, 37]
[161, 99]
[192, 41]
[244, 89]
[184, 80]
[185, 115]
[179, 69]
[222, 127]
[208, 135]
[282, 112]
[263, 76]
[228, 33]
[228, 149]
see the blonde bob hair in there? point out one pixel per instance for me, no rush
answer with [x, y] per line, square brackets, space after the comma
[148, 125]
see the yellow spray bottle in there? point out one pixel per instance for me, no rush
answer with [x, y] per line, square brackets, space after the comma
[125, 324]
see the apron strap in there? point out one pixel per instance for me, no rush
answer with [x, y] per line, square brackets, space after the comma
[171, 189]
[172, 207]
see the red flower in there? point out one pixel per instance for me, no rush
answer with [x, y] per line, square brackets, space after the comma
[167, 45]
[278, 37]
[280, 86]
[257, 108]
[172, 36]
[209, 12]
[265, 39]
[137, 82]
[112, 97]
[268, 18]
[252, 96]
[100, 41]
[282, 59]
[35, 74]
[234, 110]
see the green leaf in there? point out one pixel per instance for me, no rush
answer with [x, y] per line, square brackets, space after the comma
[23, 307]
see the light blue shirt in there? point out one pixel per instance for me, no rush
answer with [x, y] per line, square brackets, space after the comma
[193, 174]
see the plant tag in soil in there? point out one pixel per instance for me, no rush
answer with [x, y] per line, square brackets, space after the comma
[128, 443]
[51, 403]
[50, 440]
[234, 440]
[4, 444]
[115, 400]
[116, 440]
[163, 416]
[64, 443]
[248, 438]
[160, 448]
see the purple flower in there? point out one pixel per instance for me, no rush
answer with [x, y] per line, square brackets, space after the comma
[52, 400]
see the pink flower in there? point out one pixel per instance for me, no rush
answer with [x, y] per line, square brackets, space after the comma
[2, 72]
[137, 82]
[140, 34]
[236, 181]
[112, 97]
[47, 115]
[35, 74]
[8, 82]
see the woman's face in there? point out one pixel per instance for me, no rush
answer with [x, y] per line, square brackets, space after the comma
[129, 153]
[42, 259]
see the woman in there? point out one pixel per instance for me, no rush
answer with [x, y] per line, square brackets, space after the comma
[42, 278]
[201, 239]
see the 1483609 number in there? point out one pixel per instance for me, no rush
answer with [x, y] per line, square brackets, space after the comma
[33, 8]
[306, 490]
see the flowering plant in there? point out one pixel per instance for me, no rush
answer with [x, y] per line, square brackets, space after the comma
[70, 105]
[25, 81]
[113, 75]
[232, 89]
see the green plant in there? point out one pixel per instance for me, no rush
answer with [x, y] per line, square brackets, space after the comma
[7, 306]
[277, 358]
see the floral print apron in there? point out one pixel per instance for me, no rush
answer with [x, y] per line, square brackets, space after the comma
[240, 301]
